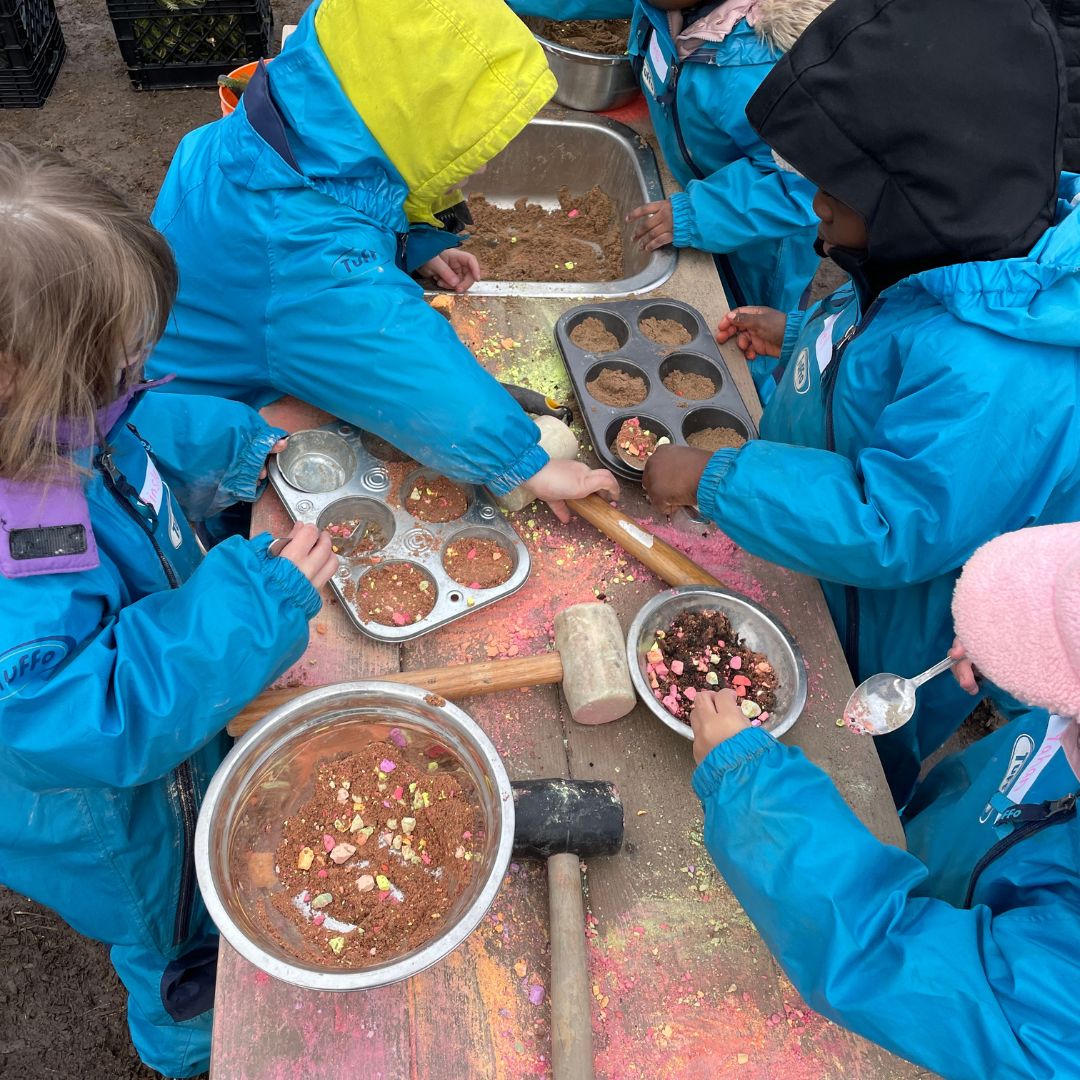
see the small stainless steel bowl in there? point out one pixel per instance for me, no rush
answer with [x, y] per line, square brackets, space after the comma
[269, 774]
[590, 82]
[317, 461]
[760, 630]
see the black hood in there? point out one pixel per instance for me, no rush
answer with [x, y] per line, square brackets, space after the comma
[939, 121]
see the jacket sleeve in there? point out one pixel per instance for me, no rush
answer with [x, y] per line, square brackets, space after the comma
[210, 451]
[968, 994]
[574, 9]
[956, 457]
[750, 199]
[355, 337]
[145, 688]
[425, 242]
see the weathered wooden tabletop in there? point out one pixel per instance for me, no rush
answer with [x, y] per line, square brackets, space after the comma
[683, 987]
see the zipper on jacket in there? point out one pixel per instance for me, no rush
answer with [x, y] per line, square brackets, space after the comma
[830, 377]
[123, 491]
[1033, 818]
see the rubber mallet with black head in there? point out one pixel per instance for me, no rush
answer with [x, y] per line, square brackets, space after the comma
[562, 822]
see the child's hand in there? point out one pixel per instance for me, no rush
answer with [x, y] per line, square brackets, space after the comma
[453, 269]
[275, 449]
[715, 717]
[672, 475]
[964, 670]
[310, 552]
[558, 481]
[760, 330]
[657, 230]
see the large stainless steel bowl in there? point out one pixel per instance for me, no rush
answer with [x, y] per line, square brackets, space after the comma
[270, 772]
[760, 630]
[591, 82]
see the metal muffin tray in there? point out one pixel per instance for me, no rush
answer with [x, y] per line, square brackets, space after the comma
[339, 472]
[660, 411]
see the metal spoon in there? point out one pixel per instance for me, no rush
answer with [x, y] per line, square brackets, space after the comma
[886, 702]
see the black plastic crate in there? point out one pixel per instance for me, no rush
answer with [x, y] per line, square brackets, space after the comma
[31, 52]
[170, 44]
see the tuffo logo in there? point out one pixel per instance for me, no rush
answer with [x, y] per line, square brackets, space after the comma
[31, 661]
[354, 263]
[1021, 752]
[801, 374]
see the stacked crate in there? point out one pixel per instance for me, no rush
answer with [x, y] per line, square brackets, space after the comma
[168, 44]
[31, 52]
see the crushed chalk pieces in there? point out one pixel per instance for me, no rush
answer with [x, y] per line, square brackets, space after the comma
[342, 853]
[365, 883]
[305, 859]
[328, 842]
[387, 766]
[337, 944]
[322, 900]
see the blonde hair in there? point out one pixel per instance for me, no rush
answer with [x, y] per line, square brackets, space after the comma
[86, 286]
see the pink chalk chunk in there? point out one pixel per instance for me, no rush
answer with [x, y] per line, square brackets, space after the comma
[318, 918]
[689, 693]
[397, 737]
[328, 842]
[536, 994]
[323, 873]
[735, 663]
[661, 670]
[386, 765]
[676, 667]
[398, 791]
[399, 619]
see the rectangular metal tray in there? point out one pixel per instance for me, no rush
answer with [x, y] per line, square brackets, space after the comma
[344, 463]
[578, 151]
[661, 411]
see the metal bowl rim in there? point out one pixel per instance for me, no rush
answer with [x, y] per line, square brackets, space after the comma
[416, 962]
[596, 59]
[647, 612]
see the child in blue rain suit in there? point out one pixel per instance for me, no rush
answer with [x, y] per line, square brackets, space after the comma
[123, 653]
[295, 221]
[698, 65]
[937, 402]
[961, 954]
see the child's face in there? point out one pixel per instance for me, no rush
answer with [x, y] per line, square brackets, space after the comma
[840, 225]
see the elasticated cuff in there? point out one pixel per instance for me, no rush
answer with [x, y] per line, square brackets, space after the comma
[529, 464]
[740, 751]
[682, 220]
[719, 466]
[791, 334]
[241, 481]
[424, 243]
[282, 576]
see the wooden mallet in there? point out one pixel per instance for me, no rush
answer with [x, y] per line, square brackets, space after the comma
[562, 822]
[589, 661]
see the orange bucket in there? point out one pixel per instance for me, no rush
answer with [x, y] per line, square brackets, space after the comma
[229, 98]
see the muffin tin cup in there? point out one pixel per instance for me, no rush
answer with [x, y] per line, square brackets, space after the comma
[320, 456]
[673, 415]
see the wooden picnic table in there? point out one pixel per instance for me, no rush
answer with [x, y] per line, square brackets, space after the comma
[683, 987]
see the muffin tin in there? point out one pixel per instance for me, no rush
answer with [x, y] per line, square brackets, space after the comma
[660, 411]
[338, 472]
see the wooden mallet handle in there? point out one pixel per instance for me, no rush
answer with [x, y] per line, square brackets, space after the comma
[661, 558]
[460, 681]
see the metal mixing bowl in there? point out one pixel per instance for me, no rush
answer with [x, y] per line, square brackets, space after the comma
[270, 773]
[591, 82]
[760, 630]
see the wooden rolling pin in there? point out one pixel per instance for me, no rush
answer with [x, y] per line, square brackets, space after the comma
[661, 558]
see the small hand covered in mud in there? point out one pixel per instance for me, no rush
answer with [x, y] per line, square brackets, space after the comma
[672, 475]
[275, 449]
[453, 269]
[310, 552]
[657, 229]
[758, 331]
[964, 670]
[715, 717]
[558, 481]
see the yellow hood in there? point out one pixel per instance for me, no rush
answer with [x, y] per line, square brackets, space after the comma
[443, 86]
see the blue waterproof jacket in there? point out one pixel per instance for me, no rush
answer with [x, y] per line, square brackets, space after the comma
[116, 682]
[961, 954]
[900, 441]
[736, 200]
[288, 222]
